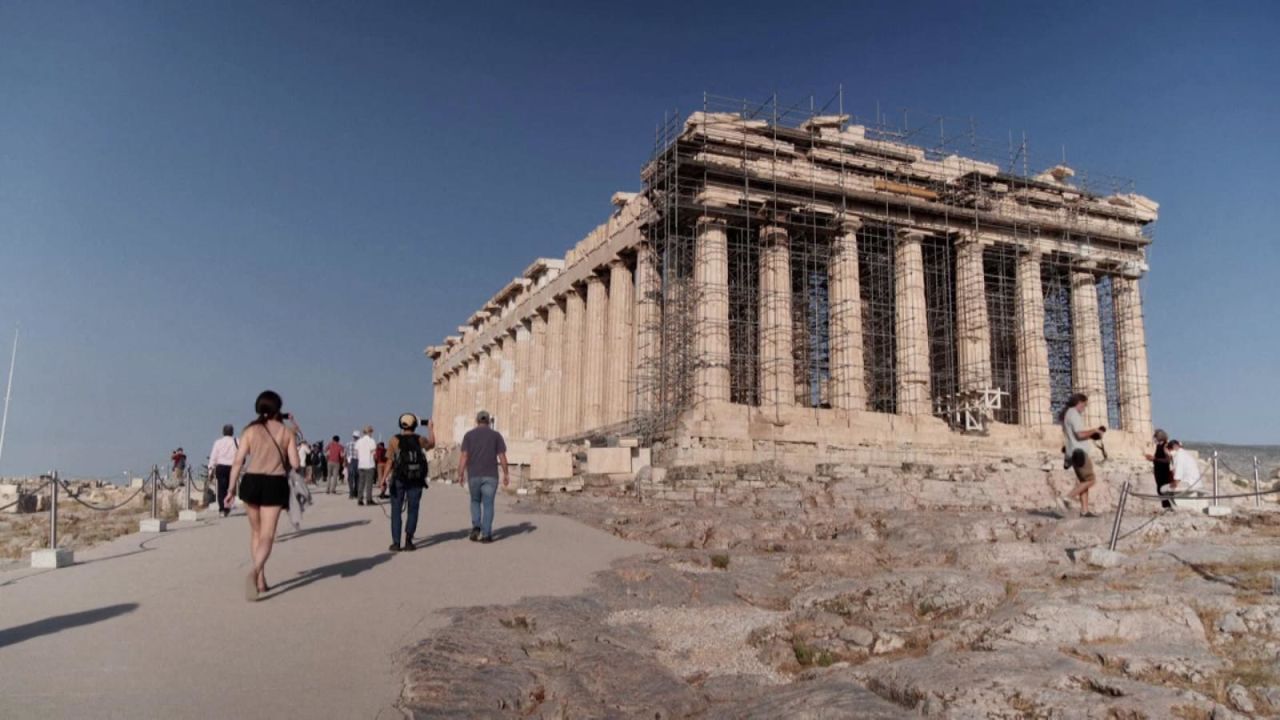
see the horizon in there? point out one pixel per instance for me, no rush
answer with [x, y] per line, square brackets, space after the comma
[201, 202]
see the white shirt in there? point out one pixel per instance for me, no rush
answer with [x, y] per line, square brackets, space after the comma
[303, 450]
[364, 452]
[1185, 470]
[223, 452]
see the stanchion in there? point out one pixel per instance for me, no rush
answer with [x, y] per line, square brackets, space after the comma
[154, 524]
[1215, 477]
[1257, 484]
[1115, 525]
[188, 515]
[52, 557]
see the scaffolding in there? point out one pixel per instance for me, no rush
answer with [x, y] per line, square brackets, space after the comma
[756, 188]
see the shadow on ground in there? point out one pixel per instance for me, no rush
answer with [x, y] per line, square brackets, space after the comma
[344, 569]
[58, 623]
[334, 527]
[501, 533]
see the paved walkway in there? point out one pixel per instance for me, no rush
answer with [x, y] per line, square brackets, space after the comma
[157, 626]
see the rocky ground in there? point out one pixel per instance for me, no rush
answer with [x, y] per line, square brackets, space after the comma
[748, 612]
[78, 525]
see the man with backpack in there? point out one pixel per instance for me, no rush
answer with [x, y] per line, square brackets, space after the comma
[407, 471]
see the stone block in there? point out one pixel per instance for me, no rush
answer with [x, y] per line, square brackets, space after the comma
[188, 516]
[52, 558]
[136, 483]
[1218, 510]
[152, 525]
[1100, 557]
[551, 465]
[628, 442]
[641, 457]
[608, 461]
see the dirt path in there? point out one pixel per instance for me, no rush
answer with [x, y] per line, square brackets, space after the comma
[157, 626]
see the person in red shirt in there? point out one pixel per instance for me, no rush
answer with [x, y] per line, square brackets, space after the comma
[334, 453]
[380, 459]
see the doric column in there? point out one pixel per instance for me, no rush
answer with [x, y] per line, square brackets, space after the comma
[1131, 358]
[553, 386]
[844, 302]
[973, 326]
[711, 278]
[502, 371]
[1087, 373]
[440, 408]
[912, 330]
[487, 381]
[1034, 406]
[532, 382]
[777, 366]
[571, 403]
[594, 340]
[619, 390]
[648, 335]
[520, 381]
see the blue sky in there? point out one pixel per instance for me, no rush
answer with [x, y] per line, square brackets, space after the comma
[201, 200]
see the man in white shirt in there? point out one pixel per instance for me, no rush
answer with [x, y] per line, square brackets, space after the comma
[353, 466]
[365, 448]
[1076, 452]
[1186, 471]
[220, 459]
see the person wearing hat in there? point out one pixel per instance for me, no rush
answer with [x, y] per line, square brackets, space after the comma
[367, 466]
[483, 450]
[406, 467]
[1161, 465]
[353, 466]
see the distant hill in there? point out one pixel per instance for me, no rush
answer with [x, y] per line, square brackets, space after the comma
[1238, 459]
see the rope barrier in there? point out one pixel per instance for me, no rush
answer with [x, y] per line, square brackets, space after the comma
[74, 495]
[22, 493]
[1188, 496]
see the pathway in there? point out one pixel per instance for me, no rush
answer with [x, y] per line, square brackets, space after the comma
[157, 626]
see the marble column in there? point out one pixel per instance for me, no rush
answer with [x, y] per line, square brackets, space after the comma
[911, 326]
[1131, 358]
[711, 280]
[488, 380]
[520, 379]
[848, 386]
[502, 371]
[648, 331]
[553, 390]
[571, 402]
[620, 359]
[1034, 405]
[1087, 373]
[973, 326]
[777, 364]
[532, 382]
[440, 408]
[595, 339]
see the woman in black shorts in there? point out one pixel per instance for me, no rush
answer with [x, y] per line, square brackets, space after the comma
[270, 449]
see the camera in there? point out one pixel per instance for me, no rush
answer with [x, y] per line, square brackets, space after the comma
[286, 416]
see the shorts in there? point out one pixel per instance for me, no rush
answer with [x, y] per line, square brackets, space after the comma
[271, 490]
[1083, 467]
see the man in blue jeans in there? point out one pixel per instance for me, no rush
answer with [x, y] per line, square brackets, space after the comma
[407, 470]
[483, 450]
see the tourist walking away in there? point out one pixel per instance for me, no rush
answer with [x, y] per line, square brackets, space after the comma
[304, 455]
[365, 448]
[1185, 469]
[334, 455]
[483, 450]
[220, 459]
[1160, 465]
[353, 466]
[407, 470]
[380, 462]
[1076, 452]
[267, 451]
[179, 460]
[315, 462]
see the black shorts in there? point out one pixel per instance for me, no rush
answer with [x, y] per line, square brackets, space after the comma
[270, 490]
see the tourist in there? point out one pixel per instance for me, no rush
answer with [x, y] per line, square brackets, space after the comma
[220, 459]
[1160, 466]
[353, 466]
[380, 462]
[334, 455]
[304, 454]
[365, 448]
[1076, 453]
[408, 472]
[271, 450]
[483, 449]
[1184, 468]
[315, 461]
[179, 460]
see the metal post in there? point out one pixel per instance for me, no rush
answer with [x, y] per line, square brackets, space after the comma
[155, 490]
[1257, 484]
[1115, 525]
[1215, 477]
[187, 475]
[53, 513]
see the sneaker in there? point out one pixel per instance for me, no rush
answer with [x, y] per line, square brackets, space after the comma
[409, 546]
[360, 502]
[395, 547]
[486, 539]
[475, 535]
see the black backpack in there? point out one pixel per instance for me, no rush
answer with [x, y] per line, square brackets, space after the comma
[410, 461]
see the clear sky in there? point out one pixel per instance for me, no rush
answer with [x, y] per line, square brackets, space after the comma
[199, 200]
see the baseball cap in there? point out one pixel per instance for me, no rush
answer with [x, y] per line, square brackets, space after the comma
[482, 416]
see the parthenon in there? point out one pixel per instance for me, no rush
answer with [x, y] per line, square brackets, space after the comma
[791, 278]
